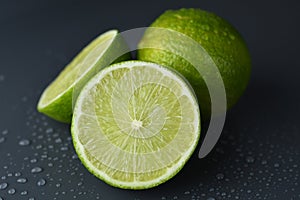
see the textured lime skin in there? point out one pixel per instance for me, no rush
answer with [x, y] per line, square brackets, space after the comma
[60, 107]
[220, 40]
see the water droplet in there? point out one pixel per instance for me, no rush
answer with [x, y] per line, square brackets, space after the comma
[21, 180]
[64, 148]
[1, 198]
[58, 185]
[44, 156]
[264, 162]
[58, 140]
[276, 165]
[2, 77]
[24, 142]
[33, 160]
[36, 170]
[31, 198]
[75, 156]
[220, 176]
[187, 192]
[5, 132]
[41, 182]
[205, 27]
[250, 159]
[24, 99]
[210, 198]
[49, 130]
[204, 37]
[40, 137]
[11, 191]
[231, 37]
[2, 139]
[23, 193]
[17, 174]
[3, 186]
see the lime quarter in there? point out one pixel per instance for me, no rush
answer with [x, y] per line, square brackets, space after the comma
[58, 98]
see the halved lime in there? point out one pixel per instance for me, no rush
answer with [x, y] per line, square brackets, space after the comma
[135, 124]
[56, 101]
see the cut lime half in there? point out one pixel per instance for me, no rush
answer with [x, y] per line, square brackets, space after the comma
[135, 124]
[58, 98]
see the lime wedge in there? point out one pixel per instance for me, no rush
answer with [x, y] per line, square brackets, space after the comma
[135, 124]
[58, 98]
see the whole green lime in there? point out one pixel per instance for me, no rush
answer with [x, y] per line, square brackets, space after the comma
[220, 40]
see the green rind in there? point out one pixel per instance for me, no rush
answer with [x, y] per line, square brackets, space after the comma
[124, 185]
[215, 35]
[61, 109]
[62, 105]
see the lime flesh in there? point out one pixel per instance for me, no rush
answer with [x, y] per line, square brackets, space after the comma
[58, 98]
[135, 124]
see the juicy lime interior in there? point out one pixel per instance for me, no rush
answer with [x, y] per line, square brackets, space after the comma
[135, 124]
[74, 71]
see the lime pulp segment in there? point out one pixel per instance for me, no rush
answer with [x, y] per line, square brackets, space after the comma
[135, 124]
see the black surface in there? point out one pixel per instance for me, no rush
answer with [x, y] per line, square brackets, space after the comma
[257, 156]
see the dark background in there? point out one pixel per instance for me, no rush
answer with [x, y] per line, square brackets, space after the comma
[257, 156]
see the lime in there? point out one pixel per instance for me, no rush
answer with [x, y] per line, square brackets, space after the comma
[58, 98]
[135, 124]
[219, 39]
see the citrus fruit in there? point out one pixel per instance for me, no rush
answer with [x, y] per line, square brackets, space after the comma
[135, 124]
[219, 39]
[58, 98]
